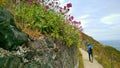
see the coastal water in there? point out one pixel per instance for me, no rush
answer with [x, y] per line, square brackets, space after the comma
[113, 43]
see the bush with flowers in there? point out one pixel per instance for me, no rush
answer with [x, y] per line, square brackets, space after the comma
[49, 18]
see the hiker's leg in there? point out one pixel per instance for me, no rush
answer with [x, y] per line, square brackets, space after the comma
[89, 56]
[92, 57]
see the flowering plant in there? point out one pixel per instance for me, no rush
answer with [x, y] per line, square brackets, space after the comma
[55, 5]
[48, 17]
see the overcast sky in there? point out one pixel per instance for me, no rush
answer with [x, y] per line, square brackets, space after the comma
[100, 18]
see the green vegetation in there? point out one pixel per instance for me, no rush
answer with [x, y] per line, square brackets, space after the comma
[110, 57]
[48, 22]
[81, 65]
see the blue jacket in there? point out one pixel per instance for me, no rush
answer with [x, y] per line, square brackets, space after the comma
[89, 49]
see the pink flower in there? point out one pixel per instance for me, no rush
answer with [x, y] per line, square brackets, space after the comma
[43, 1]
[60, 7]
[69, 5]
[79, 22]
[47, 7]
[64, 7]
[75, 22]
[60, 10]
[31, 2]
[37, 1]
[71, 18]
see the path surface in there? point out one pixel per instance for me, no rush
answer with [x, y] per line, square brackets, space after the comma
[87, 63]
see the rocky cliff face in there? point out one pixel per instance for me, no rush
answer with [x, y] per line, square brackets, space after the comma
[43, 53]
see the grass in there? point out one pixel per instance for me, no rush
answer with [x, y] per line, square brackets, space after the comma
[81, 65]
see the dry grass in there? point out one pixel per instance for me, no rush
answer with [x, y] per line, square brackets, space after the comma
[32, 33]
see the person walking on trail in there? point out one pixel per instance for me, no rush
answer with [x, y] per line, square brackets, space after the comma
[90, 52]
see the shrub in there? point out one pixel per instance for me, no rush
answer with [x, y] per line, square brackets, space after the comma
[35, 16]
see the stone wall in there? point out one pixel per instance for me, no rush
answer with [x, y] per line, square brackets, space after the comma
[43, 53]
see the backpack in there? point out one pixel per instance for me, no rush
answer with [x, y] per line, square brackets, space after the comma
[89, 49]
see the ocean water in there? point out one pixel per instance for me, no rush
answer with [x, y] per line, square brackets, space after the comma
[113, 43]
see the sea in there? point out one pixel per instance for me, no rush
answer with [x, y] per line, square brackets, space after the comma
[113, 43]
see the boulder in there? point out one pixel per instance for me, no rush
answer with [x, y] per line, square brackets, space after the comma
[10, 35]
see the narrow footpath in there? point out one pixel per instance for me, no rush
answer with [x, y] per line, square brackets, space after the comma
[87, 63]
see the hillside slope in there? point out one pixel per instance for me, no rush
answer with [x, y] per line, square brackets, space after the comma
[108, 56]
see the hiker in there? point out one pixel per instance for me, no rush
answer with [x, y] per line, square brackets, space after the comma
[90, 53]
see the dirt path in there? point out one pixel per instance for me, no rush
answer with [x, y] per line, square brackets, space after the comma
[87, 63]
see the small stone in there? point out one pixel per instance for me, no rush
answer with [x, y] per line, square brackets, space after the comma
[18, 53]
[53, 57]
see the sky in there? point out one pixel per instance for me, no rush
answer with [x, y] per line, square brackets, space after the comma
[100, 18]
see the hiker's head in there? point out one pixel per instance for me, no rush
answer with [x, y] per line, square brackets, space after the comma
[88, 44]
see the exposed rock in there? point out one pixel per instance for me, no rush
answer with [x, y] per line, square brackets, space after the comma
[10, 35]
[49, 41]
[41, 55]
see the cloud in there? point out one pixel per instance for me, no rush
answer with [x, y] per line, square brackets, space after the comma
[111, 33]
[86, 20]
[84, 16]
[84, 23]
[116, 28]
[111, 19]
